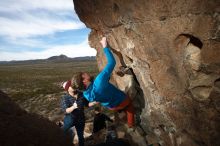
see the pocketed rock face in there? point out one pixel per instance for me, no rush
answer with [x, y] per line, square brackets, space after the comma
[172, 48]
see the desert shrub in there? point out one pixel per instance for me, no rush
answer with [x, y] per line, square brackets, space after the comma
[35, 86]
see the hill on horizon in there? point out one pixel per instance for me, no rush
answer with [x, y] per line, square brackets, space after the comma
[59, 58]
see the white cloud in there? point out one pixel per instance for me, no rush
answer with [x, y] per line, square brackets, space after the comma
[29, 27]
[27, 18]
[82, 49]
[54, 5]
[23, 22]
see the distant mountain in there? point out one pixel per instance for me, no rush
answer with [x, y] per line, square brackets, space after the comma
[60, 58]
[86, 58]
[65, 58]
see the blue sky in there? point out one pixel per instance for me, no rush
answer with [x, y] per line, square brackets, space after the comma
[38, 29]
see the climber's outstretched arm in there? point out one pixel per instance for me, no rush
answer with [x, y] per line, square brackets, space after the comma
[103, 77]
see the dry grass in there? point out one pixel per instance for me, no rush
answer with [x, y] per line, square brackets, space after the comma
[35, 87]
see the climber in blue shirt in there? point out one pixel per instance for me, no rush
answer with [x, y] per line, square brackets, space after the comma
[102, 91]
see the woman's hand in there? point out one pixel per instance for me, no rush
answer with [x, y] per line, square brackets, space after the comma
[72, 108]
[75, 105]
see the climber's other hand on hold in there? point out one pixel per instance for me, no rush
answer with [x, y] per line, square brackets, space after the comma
[104, 42]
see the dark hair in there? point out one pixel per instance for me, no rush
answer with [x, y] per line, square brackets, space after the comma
[91, 78]
[97, 109]
[77, 91]
[77, 81]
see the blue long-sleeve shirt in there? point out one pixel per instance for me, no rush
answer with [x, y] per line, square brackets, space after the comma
[101, 90]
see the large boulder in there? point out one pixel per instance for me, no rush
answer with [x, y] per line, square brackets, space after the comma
[172, 49]
[19, 128]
